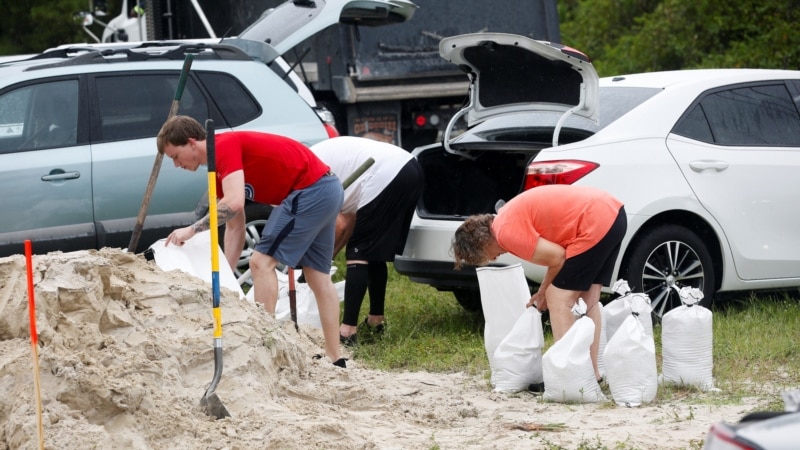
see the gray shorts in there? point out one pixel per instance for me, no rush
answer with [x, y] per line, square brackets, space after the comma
[300, 231]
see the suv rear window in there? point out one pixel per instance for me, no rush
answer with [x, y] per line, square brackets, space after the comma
[232, 99]
[136, 106]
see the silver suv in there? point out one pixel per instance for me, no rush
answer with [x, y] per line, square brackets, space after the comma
[78, 127]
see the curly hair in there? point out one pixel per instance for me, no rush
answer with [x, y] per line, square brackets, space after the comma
[470, 240]
[177, 130]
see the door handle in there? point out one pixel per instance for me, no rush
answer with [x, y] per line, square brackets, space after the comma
[61, 175]
[703, 165]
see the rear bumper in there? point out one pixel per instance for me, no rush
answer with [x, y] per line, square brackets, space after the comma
[438, 274]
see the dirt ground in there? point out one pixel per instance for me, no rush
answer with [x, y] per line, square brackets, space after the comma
[126, 353]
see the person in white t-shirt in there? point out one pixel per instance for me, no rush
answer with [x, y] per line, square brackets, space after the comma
[373, 222]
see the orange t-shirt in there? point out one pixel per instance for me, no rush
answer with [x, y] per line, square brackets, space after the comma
[574, 217]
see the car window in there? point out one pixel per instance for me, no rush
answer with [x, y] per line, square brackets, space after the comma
[38, 116]
[134, 106]
[752, 115]
[234, 101]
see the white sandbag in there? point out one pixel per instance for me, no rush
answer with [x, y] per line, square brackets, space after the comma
[617, 310]
[631, 369]
[194, 258]
[567, 364]
[306, 302]
[518, 357]
[687, 339]
[504, 294]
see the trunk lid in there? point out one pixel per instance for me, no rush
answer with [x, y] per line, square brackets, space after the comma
[294, 21]
[511, 74]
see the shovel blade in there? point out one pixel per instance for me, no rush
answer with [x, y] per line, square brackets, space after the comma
[213, 406]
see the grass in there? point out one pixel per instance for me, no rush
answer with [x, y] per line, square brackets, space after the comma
[756, 340]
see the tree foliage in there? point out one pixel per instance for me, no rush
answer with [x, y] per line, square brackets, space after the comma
[625, 36]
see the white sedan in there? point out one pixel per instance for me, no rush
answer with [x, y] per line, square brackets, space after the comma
[706, 162]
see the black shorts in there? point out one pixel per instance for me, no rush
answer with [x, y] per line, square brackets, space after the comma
[382, 225]
[596, 265]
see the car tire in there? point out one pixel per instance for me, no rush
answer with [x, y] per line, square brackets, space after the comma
[666, 258]
[469, 299]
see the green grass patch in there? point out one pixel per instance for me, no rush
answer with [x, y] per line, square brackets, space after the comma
[756, 340]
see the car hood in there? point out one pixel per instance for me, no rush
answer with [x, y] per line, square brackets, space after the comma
[294, 21]
[510, 73]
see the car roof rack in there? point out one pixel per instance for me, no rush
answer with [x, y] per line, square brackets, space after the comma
[81, 54]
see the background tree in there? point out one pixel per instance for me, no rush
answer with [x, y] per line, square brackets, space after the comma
[31, 26]
[624, 36]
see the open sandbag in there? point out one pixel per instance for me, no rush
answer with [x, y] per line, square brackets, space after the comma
[504, 294]
[518, 357]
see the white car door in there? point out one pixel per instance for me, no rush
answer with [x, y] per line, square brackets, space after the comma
[748, 178]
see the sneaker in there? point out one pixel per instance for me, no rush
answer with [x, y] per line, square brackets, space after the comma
[348, 341]
[377, 329]
[341, 362]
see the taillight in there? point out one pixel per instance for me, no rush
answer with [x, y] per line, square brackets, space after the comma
[557, 172]
[332, 131]
[722, 437]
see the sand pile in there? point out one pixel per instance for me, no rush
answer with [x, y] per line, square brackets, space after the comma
[126, 353]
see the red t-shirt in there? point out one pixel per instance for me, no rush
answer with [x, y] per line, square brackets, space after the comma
[273, 165]
[574, 217]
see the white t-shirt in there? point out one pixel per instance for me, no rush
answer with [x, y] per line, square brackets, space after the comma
[345, 154]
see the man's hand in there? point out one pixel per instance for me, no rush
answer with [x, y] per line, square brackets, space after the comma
[180, 236]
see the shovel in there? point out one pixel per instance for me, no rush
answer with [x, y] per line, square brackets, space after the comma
[151, 182]
[210, 402]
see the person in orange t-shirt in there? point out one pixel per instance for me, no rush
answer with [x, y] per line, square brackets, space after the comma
[575, 231]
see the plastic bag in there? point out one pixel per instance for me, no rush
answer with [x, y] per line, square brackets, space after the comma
[518, 357]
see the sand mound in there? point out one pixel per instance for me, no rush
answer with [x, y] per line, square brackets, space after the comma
[126, 353]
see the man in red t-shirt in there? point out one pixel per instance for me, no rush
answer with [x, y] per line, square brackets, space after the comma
[275, 170]
[576, 231]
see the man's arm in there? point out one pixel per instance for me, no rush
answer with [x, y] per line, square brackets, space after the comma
[345, 223]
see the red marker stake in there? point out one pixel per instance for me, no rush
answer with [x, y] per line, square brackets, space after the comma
[34, 340]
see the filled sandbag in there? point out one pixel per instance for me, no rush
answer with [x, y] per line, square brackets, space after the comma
[687, 340]
[631, 369]
[617, 310]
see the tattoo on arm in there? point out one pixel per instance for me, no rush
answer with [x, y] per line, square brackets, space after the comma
[224, 214]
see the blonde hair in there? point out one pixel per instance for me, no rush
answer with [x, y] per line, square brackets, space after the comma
[177, 130]
[470, 240]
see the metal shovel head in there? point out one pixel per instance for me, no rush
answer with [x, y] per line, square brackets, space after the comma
[213, 406]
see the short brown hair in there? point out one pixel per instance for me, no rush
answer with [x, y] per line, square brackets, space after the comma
[470, 240]
[177, 130]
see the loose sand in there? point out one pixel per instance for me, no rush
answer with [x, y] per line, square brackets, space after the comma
[126, 353]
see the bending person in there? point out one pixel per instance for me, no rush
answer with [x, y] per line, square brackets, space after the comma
[575, 231]
[373, 222]
[274, 170]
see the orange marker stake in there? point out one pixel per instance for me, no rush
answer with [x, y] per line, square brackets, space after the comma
[34, 340]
